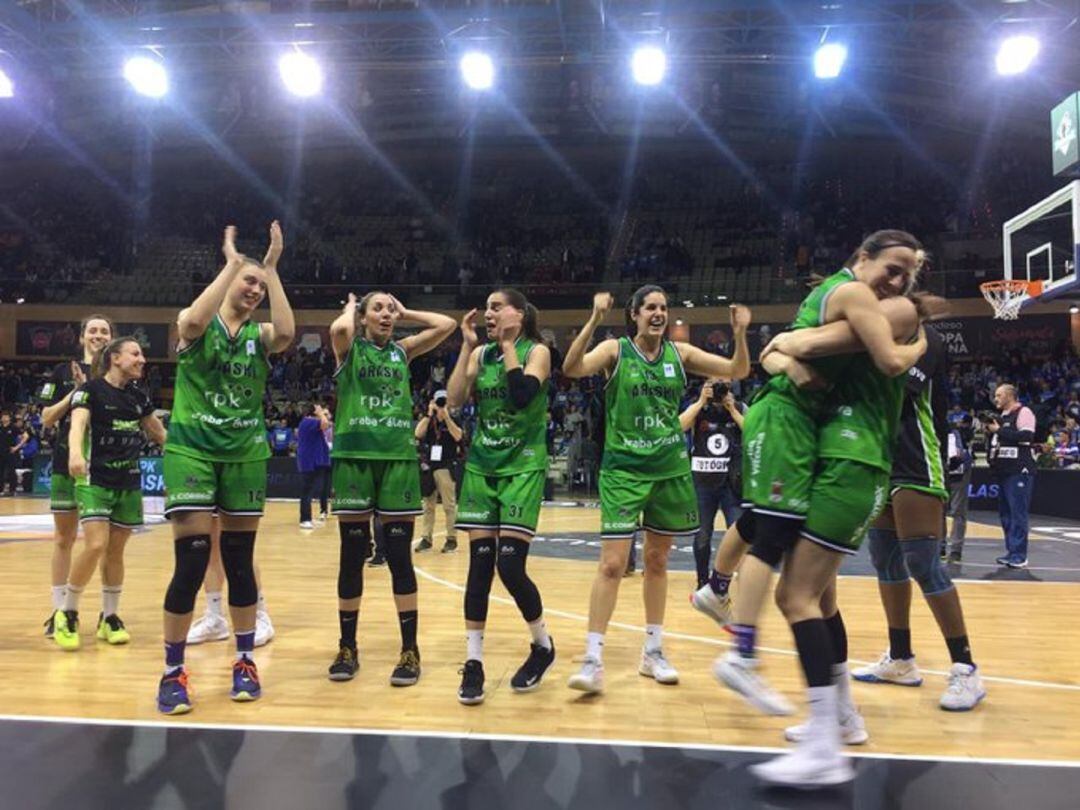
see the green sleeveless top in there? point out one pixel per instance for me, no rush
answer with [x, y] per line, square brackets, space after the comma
[217, 410]
[641, 417]
[862, 414]
[374, 416]
[507, 441]
[811, 313]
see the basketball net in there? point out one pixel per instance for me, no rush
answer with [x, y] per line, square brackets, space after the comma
[1007, 295]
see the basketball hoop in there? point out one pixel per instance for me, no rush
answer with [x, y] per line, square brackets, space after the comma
[1007, 295]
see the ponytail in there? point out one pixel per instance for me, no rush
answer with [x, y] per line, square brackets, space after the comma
[530, 321]
[103, 359]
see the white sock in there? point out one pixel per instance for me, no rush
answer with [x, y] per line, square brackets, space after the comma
[261, 607]
[594, 646]
[540, 634]
[110, 599]
[654, 637]
[213, 603]
[58, 593]
[824, 728]
[845, 704]
[71, 597]
[474, 641]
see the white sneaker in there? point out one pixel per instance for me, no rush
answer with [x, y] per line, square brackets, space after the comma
[654, 665]
[805, 768]
[852, 730]
[965, 689]
[264, 628]
[590, 678]
[901, 671]
[717, 608]
[322, 517]
[208, 627]
[738, 673]
[306, 524]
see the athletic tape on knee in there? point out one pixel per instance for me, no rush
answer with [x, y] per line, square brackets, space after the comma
[513, 554]
[355, 545]
[482, 554]
[887, 556]
[773, 538]
[238, 560]
[192, 557]
[398, 541]
[924, 563]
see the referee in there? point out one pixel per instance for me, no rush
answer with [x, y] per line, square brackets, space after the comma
[1012, 461]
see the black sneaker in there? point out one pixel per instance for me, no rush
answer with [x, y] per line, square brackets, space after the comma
[346, 665]
[50, 625]
[955, 556]
[407, 671]
[423, 545]
[377, 560]
[943, 550]
[450, 546]
[532, 671]
[471, 691]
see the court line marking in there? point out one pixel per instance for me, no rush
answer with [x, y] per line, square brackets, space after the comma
[720, 643]
[526, 738]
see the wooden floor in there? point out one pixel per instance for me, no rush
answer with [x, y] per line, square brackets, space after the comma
[1024, 637]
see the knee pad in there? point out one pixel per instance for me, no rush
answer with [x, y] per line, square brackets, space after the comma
[887, 555]
[747, 525]
[773, 538]
[511, 566]
[397, 538]
[192, 557]
[355, 548]
[481, 573]
[238, 560]
[924, 563]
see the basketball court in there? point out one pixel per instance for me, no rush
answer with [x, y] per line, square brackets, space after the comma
[82, 729]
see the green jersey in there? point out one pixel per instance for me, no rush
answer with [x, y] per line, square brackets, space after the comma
[862, 415]
[811, 313]
[374, 417]
[641, 419]
[507, 441]
[218, 398]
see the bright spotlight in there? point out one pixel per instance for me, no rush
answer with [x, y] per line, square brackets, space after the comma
[147, 76]
[7, 87]
[477, 70]
[829, 60]
[649, 64]
[301, 74]
[1016, 54]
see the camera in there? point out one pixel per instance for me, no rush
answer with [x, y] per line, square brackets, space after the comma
[720, 390]
[989, 416]
[440, 400]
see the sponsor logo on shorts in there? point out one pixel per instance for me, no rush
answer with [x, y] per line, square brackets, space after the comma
[190, 496]
[848, 433]
[776, 491]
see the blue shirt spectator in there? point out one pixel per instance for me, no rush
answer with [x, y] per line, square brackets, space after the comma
[311, 448]
[280, 437]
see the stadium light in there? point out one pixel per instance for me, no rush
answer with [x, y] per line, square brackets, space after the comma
[1073, 310]
[829, 60]
[477, 70]
[300, 74]
[1015, 54]
[7, 87]
[648, 64]
[147, 75]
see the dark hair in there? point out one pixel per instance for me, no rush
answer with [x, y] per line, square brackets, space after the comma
[85, 322]
[103, 359]
[883, 240]
[530, 326]
[633, 304]
[361, 308]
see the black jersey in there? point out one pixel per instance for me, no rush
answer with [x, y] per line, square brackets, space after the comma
[923, 435]
[716, 456]
[58, 386]
[114, 439]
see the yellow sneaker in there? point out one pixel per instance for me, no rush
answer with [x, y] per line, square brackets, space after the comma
[112, 630]
[66, 629]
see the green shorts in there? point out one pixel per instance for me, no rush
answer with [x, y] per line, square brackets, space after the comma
[495, 502]
[121, 507]
[389, 487]
[779, 453]
[229, 487]
[62, 493]
[627, 503]
[846, 499]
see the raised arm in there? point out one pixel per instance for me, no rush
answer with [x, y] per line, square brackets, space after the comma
[580, 363]
[465, 369]
[52, 414]
[523, 382]
[857, 304]
[154, 430]
[704, 364]
[687, 417]
[279, 333]
[424, 423]
[193, 321]
[437, 328]
[343, 330]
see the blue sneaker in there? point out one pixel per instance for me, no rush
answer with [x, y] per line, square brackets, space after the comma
[172, 696]
[245, 681]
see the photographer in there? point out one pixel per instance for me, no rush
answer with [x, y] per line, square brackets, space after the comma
[1011, 460]
[440, 437]
[313, 462]
[716, 419]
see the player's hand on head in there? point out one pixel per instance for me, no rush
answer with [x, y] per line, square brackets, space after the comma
[468, 328]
